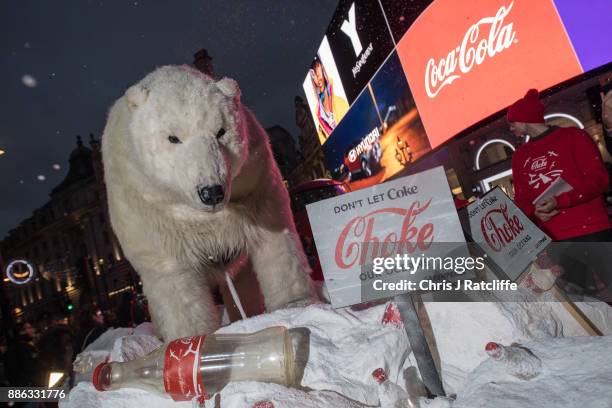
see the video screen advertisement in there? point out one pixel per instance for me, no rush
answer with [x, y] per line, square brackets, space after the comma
[381, 133]
[491, 51]
[355, 45]
[406, 101]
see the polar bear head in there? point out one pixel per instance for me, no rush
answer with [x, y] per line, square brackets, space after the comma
[184, 137]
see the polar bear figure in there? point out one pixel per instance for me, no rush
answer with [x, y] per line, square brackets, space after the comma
[192, 185]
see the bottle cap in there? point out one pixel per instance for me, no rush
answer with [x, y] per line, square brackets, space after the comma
[96, 376]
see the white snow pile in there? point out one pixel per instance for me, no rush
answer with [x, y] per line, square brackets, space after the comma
[576, 372]
[347, 345]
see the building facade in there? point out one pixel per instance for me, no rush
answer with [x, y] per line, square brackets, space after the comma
[312, 161]
[283, 148]
[70, 242]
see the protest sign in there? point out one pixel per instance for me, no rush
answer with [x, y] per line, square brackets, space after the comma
[505, 233]
[406, 215]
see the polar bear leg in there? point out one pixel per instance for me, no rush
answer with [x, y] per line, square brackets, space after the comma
[281, 270]
[180, 302]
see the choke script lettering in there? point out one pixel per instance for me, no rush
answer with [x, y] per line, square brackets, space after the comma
[470, 52]
[498, 233]
[359, 242]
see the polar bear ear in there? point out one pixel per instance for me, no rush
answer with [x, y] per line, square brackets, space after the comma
[229, 87]
[136, 96]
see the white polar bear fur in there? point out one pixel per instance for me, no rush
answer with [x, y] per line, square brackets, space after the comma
[170, 237]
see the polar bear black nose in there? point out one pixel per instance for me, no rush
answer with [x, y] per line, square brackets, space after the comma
[211, 195]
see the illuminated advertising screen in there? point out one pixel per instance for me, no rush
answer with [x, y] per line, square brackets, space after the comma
[461, 61]
[381, 134]
[401, 14]
[485, 55]
[360, 42]
[324, 92]
[589, 28]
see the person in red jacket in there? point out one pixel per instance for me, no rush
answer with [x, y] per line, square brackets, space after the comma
[577, 215]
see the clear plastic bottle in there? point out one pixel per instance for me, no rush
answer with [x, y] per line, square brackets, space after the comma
[200, 366]
[519, 360]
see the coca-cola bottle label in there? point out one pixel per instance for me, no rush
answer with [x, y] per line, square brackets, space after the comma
[182, 378]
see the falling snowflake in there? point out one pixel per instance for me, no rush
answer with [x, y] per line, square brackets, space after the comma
[29, 81]
[41, 177]
[27, 45]
[56, 166]
[20, 181]
[53, 74]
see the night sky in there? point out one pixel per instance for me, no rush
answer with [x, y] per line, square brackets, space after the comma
[63, 63]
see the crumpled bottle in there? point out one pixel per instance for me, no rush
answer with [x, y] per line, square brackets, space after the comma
[390, 394]
[519, 360]
[195, 368]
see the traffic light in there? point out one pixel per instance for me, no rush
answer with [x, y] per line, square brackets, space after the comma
[69, 306]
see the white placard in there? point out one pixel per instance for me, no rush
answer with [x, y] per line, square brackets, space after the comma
[408, 211]
[505, 233]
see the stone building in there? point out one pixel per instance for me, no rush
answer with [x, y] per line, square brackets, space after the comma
[70, 241]
[312, 160]
[284, 149]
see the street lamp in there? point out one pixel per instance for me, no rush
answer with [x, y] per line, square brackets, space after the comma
[2, 152]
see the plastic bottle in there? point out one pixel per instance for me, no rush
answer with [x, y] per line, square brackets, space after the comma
[390, 394]
[200, 366]
[519, 360]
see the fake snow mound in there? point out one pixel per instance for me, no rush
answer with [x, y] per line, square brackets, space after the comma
[346, 346]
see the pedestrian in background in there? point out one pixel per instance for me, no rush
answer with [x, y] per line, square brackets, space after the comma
[575, 216]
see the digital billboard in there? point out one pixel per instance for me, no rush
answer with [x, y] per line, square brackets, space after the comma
[360, 42]
[324, 92]
[381, 134]
[485, 57]
[460, 62]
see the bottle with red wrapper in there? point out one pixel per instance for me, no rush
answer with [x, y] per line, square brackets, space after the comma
[200, 366]
[390, 395]
[519, 360]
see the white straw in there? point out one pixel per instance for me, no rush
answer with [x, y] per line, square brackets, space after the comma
[234, 294]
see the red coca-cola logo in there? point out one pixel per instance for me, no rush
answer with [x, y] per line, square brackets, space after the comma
[182, 379]
[456, 52]
[500, 231]
[473, 50]
[358, 241]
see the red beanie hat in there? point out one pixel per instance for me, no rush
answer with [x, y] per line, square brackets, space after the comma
[528, 109]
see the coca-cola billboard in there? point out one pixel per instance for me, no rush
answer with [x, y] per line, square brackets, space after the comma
[466, 60]
[410, 215]
[505, 233]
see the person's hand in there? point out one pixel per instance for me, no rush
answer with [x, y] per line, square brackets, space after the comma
[606, 109]
[545, 216]
[546, 204]
[546, 208]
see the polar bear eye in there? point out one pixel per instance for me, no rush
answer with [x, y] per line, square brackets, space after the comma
[220, 133]
[174, 139]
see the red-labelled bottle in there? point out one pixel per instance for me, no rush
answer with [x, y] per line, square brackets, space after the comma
[200, 366]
